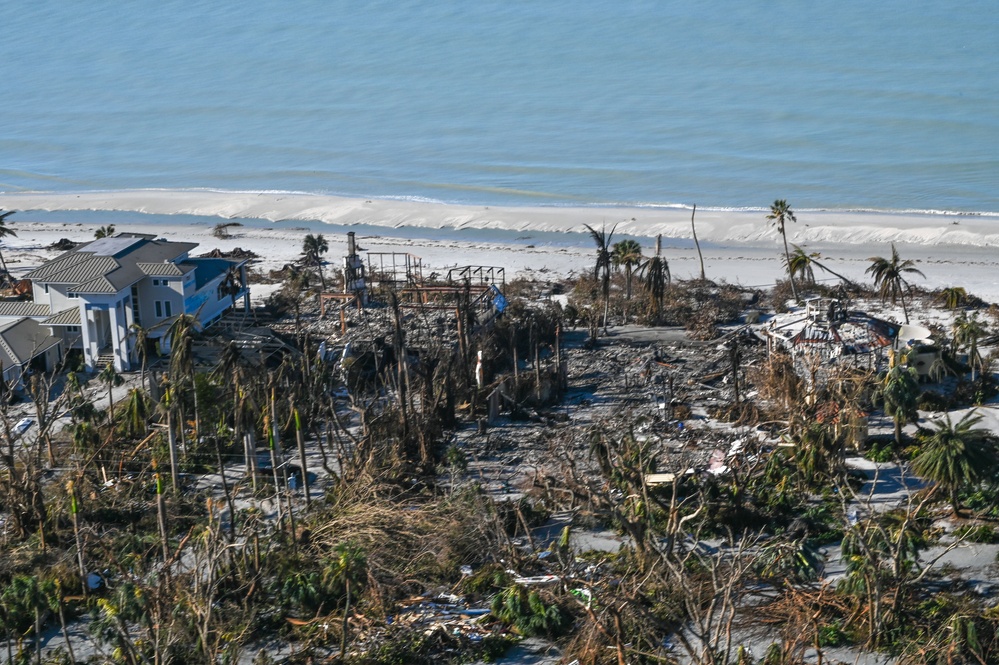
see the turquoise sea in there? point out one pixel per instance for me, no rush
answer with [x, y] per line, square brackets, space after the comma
[832, 105]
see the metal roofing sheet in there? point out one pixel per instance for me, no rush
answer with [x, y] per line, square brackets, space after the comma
[21, 308]
[67, 317]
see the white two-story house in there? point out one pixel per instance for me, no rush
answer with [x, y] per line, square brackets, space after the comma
[95, 293]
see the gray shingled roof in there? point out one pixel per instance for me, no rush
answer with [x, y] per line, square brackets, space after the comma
[22, 340]
[160, 269]
[91, 268]
[21, 308]
[67, 317]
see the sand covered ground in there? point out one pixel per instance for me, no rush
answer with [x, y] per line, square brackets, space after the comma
[738, 245]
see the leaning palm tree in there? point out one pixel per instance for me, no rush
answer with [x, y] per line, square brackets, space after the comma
[889, 278]
[957, 455]
[313, 248]
[626, 253]
[601, 269]
[5, 231]
[810, 261]
[780, 214]
[693, 230]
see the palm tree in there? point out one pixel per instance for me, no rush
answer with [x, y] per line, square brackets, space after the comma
[900, 391]
[656, 278]
[967, 332]
[232, 283]
[350, 568]
[780, 214]
[800, 265]
[956, 456]
[113, 379]
[889, 277]
[627, 253]
[141, 349]
[953, 297]
[5, 231]
[313, 247]
[601, 269]
[30, 597]
[104, 232]
[181, 336]
[137, 412]
[813, 260]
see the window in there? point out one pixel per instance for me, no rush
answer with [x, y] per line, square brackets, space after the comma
[159, 309]
[166, 304]
[70, 294]
[72, 328]
[156, 282]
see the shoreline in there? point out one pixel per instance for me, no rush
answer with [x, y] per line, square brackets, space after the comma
[719, 225]
[536, 243]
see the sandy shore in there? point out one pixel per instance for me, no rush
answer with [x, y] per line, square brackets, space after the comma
[738, 245]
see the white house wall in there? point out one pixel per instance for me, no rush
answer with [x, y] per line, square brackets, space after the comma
[167, 289]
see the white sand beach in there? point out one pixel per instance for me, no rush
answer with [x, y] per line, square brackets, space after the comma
[739, 246]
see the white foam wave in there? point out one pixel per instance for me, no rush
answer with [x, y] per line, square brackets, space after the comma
[672, 220]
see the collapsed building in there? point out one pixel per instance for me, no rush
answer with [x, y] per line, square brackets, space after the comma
[827, 333]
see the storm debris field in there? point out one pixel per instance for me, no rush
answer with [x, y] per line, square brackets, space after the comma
[387, 463]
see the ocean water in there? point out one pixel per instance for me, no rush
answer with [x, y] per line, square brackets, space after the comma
[831, 105]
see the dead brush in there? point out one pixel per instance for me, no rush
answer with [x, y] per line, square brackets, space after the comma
[703, 324]
[411, 544]
[744, 413]
[777, 381]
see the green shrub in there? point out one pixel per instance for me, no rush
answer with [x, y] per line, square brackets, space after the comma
[881, 450]
[978, 533]
[529, 614]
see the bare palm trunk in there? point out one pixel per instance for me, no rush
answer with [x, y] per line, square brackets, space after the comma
[172, 443]
[832, 272]
[300, 437]
[65, 632]
[345, 627]
[697, 244]
[787, 256]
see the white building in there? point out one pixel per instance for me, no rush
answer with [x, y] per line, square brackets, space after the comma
[90, 297]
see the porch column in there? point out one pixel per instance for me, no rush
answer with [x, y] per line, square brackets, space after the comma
[119, 336]
[88, 328]
[246, 288]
